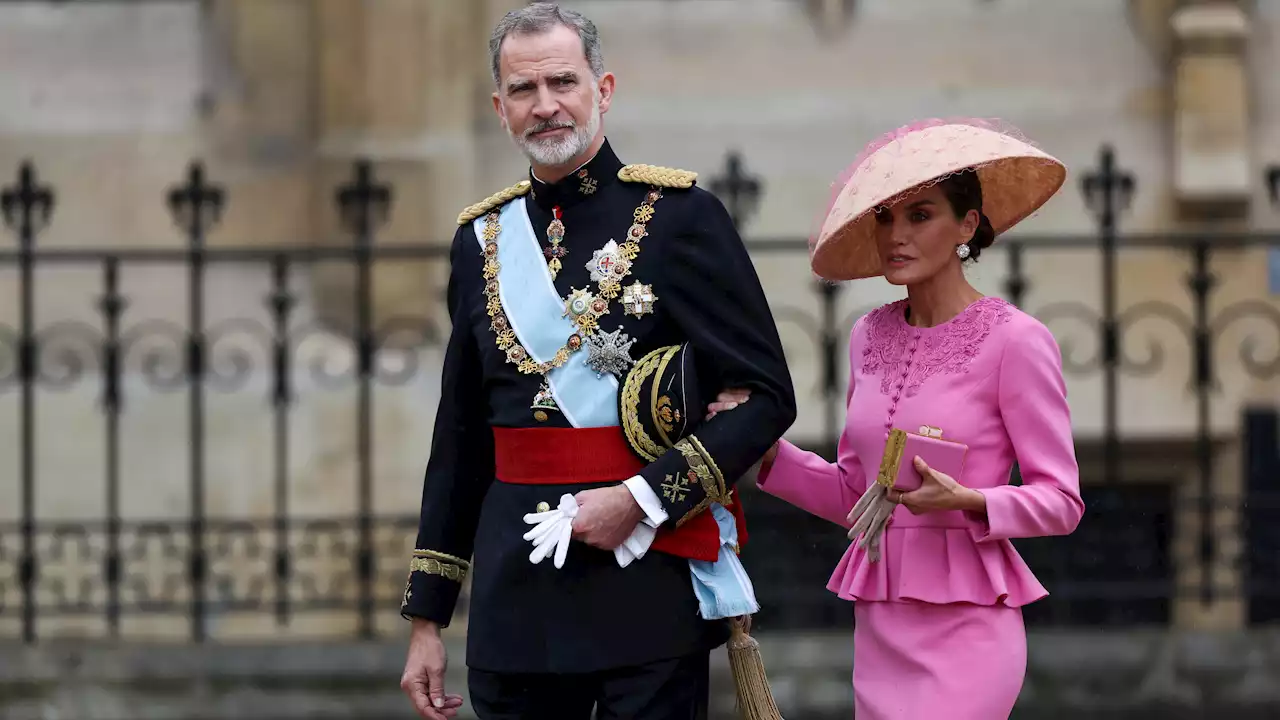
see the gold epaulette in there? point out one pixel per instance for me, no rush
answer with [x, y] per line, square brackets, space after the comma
[657, 175]
[503, 196]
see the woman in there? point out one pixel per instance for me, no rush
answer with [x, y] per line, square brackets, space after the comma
[939, 630]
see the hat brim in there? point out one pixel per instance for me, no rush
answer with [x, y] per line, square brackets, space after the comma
[1017, 179]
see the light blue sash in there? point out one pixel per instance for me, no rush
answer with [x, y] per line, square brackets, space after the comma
[536, 312]
[722, 587]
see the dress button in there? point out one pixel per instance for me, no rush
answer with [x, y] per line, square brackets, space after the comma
[543, 507]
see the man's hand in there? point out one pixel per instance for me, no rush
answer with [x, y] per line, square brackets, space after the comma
[606, 516]
[423, 679]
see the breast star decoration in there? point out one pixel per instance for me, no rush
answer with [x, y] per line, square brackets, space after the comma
[638, 299]
[610, 352]
[608, 263]
[585, 309]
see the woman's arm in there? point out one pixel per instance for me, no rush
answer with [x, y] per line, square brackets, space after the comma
[806, 480]
[1033, 406]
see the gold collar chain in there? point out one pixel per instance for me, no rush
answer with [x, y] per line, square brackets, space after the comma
[583, 306]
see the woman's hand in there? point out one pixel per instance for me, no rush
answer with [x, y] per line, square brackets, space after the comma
[727, 400]
[730, 399]
[940, 491]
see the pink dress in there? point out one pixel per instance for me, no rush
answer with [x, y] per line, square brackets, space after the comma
[939, 630]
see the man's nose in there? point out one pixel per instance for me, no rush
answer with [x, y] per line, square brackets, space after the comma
[545, 107]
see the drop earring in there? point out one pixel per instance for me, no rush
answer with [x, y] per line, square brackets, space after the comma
[962, 250]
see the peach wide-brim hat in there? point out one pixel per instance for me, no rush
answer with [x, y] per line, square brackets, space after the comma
[1017, 178]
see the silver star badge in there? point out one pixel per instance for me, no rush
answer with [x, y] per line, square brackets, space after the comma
[609, 352]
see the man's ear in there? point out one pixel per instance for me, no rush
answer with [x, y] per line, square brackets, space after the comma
[607, 84]
[497, 108]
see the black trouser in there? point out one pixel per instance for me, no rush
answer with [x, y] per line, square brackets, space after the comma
[666, 690]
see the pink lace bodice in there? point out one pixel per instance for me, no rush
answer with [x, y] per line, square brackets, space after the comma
[897, 351]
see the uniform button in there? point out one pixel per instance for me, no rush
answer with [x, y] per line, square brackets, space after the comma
[543, 507]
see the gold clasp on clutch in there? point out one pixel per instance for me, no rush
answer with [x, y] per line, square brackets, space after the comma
[891, 461]
[892, 458]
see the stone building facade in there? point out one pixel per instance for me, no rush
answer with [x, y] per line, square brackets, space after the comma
[279, 97]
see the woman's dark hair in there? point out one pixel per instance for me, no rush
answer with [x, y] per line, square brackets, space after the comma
[964, 192]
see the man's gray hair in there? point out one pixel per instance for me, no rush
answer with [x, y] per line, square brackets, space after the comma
[541, 17]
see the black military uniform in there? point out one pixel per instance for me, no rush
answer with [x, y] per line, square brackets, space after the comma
[691, 285]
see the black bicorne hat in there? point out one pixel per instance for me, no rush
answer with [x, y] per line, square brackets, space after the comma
[660, 401]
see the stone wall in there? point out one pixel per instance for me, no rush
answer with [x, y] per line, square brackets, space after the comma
[112, 100]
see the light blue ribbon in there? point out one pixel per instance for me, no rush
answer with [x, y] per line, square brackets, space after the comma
[536, 313]
[722, 587]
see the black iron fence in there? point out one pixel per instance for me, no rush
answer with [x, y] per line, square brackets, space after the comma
[1121, 567]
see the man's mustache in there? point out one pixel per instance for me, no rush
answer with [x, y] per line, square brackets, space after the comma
[549, 125]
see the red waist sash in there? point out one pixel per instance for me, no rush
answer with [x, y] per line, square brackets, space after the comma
[562, 456]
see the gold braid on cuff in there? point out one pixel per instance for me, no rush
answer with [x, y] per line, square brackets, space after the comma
[702, 471]
[431, 562]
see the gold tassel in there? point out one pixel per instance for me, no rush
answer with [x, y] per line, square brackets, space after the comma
[755, 699]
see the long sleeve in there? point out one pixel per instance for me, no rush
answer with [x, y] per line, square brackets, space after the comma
[461, 465]
[1033, 407]
[806, 480]
[711, 290]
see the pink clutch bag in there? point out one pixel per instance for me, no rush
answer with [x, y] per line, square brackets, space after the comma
[898, 469]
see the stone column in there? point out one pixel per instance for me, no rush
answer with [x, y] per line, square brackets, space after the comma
[396, 85]
[259, 130]
[1213, 173]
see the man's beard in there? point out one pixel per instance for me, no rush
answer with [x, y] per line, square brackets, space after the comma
[558, 151]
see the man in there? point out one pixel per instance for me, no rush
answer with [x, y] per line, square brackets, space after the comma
[588, 302]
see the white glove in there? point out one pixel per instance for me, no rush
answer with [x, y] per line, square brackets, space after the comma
[553, 531]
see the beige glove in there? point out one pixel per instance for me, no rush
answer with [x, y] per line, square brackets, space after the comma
[869, 517]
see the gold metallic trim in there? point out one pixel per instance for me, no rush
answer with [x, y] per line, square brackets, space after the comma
[703, 505]
[892, 459]
[597, 304]
[703, 470]
[657, 390]
[711, 464]
[658, 175]
[471, 212]
[630, 416]
[432, 566]
[443, 557]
